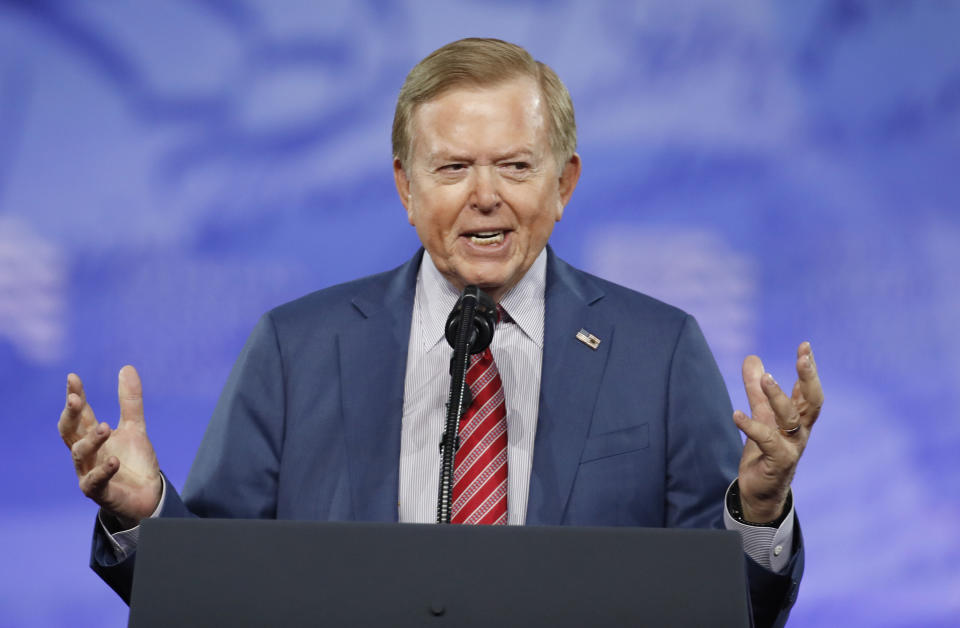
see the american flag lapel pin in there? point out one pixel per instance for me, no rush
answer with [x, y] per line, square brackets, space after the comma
[588, 339]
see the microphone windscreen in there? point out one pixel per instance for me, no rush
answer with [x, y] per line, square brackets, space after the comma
[484, 319]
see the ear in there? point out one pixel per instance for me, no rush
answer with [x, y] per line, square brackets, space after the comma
[403, 188]
[567, 182]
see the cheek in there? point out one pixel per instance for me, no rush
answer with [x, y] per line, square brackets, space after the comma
[542, 211]
[433, 221]
[441, 206]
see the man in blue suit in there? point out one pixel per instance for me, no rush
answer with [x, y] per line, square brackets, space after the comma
[616, 412]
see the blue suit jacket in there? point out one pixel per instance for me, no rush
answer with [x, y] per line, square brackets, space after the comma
[637, 432]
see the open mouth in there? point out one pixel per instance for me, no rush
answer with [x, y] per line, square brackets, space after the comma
[485, 238]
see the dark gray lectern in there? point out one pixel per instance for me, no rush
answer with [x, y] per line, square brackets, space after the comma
[209, 572]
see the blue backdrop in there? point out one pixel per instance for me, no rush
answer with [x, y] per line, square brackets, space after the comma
[783, 170]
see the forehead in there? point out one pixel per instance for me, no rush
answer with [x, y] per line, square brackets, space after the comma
[478, 119]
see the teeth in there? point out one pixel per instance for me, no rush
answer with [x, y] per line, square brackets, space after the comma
[490, 237]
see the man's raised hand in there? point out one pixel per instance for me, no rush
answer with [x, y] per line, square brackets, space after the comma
[116, 468]
[776, 435]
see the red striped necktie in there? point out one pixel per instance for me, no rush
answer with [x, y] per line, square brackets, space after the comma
[480, 466]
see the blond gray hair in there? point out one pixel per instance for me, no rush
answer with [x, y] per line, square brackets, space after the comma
[483, 63]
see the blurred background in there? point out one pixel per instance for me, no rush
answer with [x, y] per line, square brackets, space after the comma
[782, 170]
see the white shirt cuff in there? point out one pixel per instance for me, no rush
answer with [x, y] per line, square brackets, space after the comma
[769, 547]
[125, 542]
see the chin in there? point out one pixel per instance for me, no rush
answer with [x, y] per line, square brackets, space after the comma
[487, 280]
[489, 276]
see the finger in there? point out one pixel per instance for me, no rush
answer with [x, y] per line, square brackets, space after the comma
[786, 413]
[809, 381]
[77, 416]
[75, 385]
[94, 483]
[759, 404]
[84, 451]
[69, 423]
[763, 435]
[796, 396]
[130, 394]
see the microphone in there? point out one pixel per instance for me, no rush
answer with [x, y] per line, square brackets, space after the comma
[483, 323]
[469, 330]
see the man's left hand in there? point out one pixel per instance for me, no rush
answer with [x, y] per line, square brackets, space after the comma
[776, 435]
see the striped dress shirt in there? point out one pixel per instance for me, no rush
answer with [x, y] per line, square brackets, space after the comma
[517, 349]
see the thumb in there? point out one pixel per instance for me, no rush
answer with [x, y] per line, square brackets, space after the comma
[130, 395]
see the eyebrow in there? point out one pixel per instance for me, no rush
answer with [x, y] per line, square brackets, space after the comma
[515, 153]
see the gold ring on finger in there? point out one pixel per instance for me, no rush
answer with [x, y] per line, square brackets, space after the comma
[793, 430]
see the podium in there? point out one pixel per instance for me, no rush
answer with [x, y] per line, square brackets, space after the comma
[217, 572]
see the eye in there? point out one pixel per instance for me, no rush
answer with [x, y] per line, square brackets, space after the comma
[453, 167]
[519, 165]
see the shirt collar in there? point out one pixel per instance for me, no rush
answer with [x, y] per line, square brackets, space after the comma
[436, 297]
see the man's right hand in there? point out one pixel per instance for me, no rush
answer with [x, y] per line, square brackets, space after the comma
[116, 468]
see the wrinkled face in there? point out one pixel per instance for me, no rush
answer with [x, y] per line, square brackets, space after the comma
[482, 186]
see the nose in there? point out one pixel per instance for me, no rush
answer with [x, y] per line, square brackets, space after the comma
[484, 196]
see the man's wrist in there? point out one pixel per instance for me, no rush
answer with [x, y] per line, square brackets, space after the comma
[736, 510]
[116, 523]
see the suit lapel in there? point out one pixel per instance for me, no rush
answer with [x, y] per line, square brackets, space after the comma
[373, 357]
[570, 382]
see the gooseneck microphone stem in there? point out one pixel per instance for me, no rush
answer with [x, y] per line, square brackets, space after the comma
[469, 330]
[455, 405]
